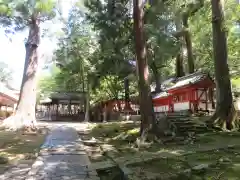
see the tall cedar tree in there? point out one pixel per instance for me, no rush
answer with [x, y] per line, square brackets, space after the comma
[225, 115]
[24, 115]
[146, 107]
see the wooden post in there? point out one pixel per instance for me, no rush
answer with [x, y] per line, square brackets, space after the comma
[105, 113]
[211, 97]
[127, 99]
[57, 109]
[69, 107]
[206, 94]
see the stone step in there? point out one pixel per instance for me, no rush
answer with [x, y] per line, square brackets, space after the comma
[179, 119]
[191, 130]
[183, 123]
[184, 128]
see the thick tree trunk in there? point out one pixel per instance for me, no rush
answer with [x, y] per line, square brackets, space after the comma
[179, 59]
[146, 107]
[225, 114]
[192, 8]
[179, 65]
[188, 42]
[156, 75]
[25, 111]
[86, 119]
[83, 83]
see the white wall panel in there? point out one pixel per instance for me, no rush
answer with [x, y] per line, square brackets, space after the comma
[181, 106]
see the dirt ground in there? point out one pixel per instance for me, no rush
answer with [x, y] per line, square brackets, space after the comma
[17, 148]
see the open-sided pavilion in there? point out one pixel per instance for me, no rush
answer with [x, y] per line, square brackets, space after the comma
[64, 106]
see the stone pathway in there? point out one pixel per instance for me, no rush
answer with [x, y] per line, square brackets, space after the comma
[62, 158]
[18, 172]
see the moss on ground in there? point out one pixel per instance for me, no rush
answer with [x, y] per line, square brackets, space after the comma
[16, 147]
[119, 140]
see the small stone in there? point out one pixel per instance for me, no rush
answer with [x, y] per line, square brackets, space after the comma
[200, 167]
[187, 171]
[225, 160]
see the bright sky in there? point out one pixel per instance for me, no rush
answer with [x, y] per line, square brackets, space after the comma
[13, 52]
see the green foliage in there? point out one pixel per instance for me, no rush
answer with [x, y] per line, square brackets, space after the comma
[16, 14]
[236, 84]
[201, 29]
[48, 84]
[110, 87]
[74, 54]
[5, 73]
[105, 57]
[114, 26]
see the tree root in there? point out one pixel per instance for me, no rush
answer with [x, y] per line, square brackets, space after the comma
[221, 121]
[19, 122]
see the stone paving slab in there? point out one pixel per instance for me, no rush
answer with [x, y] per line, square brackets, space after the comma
[62, 157]
[16, 173]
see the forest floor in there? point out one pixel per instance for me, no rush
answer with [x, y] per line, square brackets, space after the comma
[17, 149]
[214, 155]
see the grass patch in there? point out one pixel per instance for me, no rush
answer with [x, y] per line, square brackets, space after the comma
[113, 130]
[16, 147]
[118, 140]
[164, 168]
[223, 164]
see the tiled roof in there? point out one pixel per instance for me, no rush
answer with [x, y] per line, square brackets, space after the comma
[161, 94]
[173, 83]
[8, 92]
[68, 95]
[189, 79]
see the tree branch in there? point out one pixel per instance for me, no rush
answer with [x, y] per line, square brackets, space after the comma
[192, 8]
[180, 33]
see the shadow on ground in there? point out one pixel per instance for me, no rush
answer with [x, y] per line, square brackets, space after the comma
[62, 157]
[18, 151]
[214, 155]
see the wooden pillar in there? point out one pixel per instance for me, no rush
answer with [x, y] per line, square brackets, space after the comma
[57, 109]
[48, 112]
[69, 106]
[127, 98]
[206, 94]
[105, 113]
[211, 97]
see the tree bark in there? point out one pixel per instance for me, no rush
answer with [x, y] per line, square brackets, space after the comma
[179, 59]
[179, 65]
[156, 77]
[225, 114]
[192, 8]
[146, 107]
[25, 111]
[86, 119]
[188, 42]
